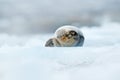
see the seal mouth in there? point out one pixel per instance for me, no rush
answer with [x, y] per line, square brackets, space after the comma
[63, 38]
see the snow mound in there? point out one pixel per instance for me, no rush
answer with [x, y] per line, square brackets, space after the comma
[26, 58]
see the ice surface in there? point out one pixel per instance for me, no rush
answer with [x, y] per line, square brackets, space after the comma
[26, 58]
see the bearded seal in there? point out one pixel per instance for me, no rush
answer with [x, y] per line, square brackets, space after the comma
[66, 36]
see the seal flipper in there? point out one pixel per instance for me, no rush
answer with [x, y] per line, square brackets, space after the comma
[49, 43]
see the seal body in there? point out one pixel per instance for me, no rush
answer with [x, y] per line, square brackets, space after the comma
[66, 36]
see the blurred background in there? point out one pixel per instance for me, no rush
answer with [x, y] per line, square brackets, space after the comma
[26, 25]
[44, 16]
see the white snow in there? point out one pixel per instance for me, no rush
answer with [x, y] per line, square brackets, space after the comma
[26, 58]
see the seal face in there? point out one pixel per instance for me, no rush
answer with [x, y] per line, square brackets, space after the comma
[69, 38]
[66, 36]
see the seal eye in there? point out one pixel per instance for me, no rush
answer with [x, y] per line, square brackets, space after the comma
[73, 33]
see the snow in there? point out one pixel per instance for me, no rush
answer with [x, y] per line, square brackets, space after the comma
[26, 58]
